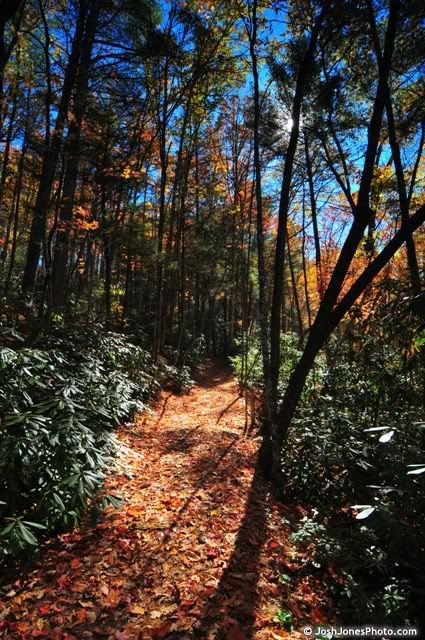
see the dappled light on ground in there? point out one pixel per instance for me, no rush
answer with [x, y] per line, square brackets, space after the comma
[197, 550]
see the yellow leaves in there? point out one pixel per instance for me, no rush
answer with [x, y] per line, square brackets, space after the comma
[130, 172]
[220, 189]
[137, 610]
[90, 226]
[81, 221]
[135, 510]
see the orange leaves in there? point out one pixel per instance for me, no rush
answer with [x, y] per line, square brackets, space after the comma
[81, 616]
[191, 547]
[79, 587]
[82, 221]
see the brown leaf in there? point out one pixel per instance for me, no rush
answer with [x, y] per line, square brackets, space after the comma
[79, 587]
[162, 631]
[236, 633]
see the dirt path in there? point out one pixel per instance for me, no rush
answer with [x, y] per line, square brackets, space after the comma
[198, 549]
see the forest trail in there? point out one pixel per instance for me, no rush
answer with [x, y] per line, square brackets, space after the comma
[198, 548]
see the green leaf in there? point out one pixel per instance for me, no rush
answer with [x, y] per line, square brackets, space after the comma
[27, 535]
[387, 436]
[416, 471]
[366, 511]
[285, 617]
[35, 525]
[7, 529]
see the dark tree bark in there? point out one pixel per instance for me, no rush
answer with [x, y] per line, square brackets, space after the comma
[3, 176]
[275, 323]
[327, 318]
[412, 260]
[50, 159]
[17, 201]
[73, 153]
[313, 209]
[261, 267]
[10, 11]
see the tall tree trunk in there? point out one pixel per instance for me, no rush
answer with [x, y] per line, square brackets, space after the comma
[302, 76]
[326, 318]
[3, 177]
[10, 10]
[163, 152]
[304, 263]
[313, 209]
[72, 154]
[412, 260]
[261, 267]
[295, 291]
[17, 201]
[50, 159]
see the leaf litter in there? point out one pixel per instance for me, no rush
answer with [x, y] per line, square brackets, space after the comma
[196, 550]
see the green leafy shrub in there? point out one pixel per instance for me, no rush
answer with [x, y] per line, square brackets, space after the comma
[248, 366]
[59, 404]
[355, 453]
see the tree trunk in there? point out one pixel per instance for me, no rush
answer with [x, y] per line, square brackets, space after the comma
[4, 170]
[73, 152]
[412, 260]
[16, 205]
[50, 159]
[313, 209]
[303, 73]
[261, 267]
[9, 10]
[326, 319]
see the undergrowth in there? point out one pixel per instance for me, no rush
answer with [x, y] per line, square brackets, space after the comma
[355, 458]
[60, 401]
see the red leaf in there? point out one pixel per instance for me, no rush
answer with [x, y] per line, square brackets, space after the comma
[44, 609]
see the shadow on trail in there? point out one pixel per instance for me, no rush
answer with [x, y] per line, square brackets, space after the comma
[237, 593]
[182, 440]
[213, 373]
[199, 484]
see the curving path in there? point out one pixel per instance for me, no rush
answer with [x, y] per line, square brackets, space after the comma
[197, 550]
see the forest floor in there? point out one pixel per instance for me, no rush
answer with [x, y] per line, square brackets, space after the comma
[198, 549]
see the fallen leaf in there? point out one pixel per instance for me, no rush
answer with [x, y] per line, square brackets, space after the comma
[162, 631]
[44, 609]
[79, 587]
[236, 633]
[138, 610]
[81, 616]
